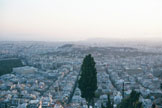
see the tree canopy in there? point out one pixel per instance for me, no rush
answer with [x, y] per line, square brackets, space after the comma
[88, 79]
[131, 101]
[7, 65]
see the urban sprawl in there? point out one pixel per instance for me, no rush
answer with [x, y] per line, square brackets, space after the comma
[50, 72]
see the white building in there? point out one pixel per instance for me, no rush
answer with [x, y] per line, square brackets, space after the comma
[24, 70]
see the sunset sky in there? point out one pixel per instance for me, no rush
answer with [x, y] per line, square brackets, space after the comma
[70, 20]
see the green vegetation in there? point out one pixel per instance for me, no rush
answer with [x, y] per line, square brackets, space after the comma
[102, 106]
[7, 65]
[109, 103]
[153, 105]
[88, 80]
[131, 101]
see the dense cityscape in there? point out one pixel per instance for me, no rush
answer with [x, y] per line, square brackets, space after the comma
[80, 53]
[48, 74]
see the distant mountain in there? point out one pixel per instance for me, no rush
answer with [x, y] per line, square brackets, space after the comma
[123, 41]
[155, 39]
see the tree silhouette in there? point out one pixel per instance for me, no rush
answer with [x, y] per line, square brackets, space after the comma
[109, 104]
[131, 101]
[88, 79]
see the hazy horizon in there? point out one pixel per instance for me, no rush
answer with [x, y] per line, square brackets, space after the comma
[72, 20]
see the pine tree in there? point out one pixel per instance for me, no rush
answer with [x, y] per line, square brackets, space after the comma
[88, 79]
[109, 104]
[132, 101]
[153, 105]
[102, 106]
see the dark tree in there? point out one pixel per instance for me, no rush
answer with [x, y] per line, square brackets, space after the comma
[109, 104]
[131, 101]
[102, 106]
[153, 105]
[161, 86]
[88, 79]
[7, 65]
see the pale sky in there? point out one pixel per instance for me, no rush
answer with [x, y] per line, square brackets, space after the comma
[51, 20]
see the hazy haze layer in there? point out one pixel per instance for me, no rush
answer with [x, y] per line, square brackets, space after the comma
[51, 20]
